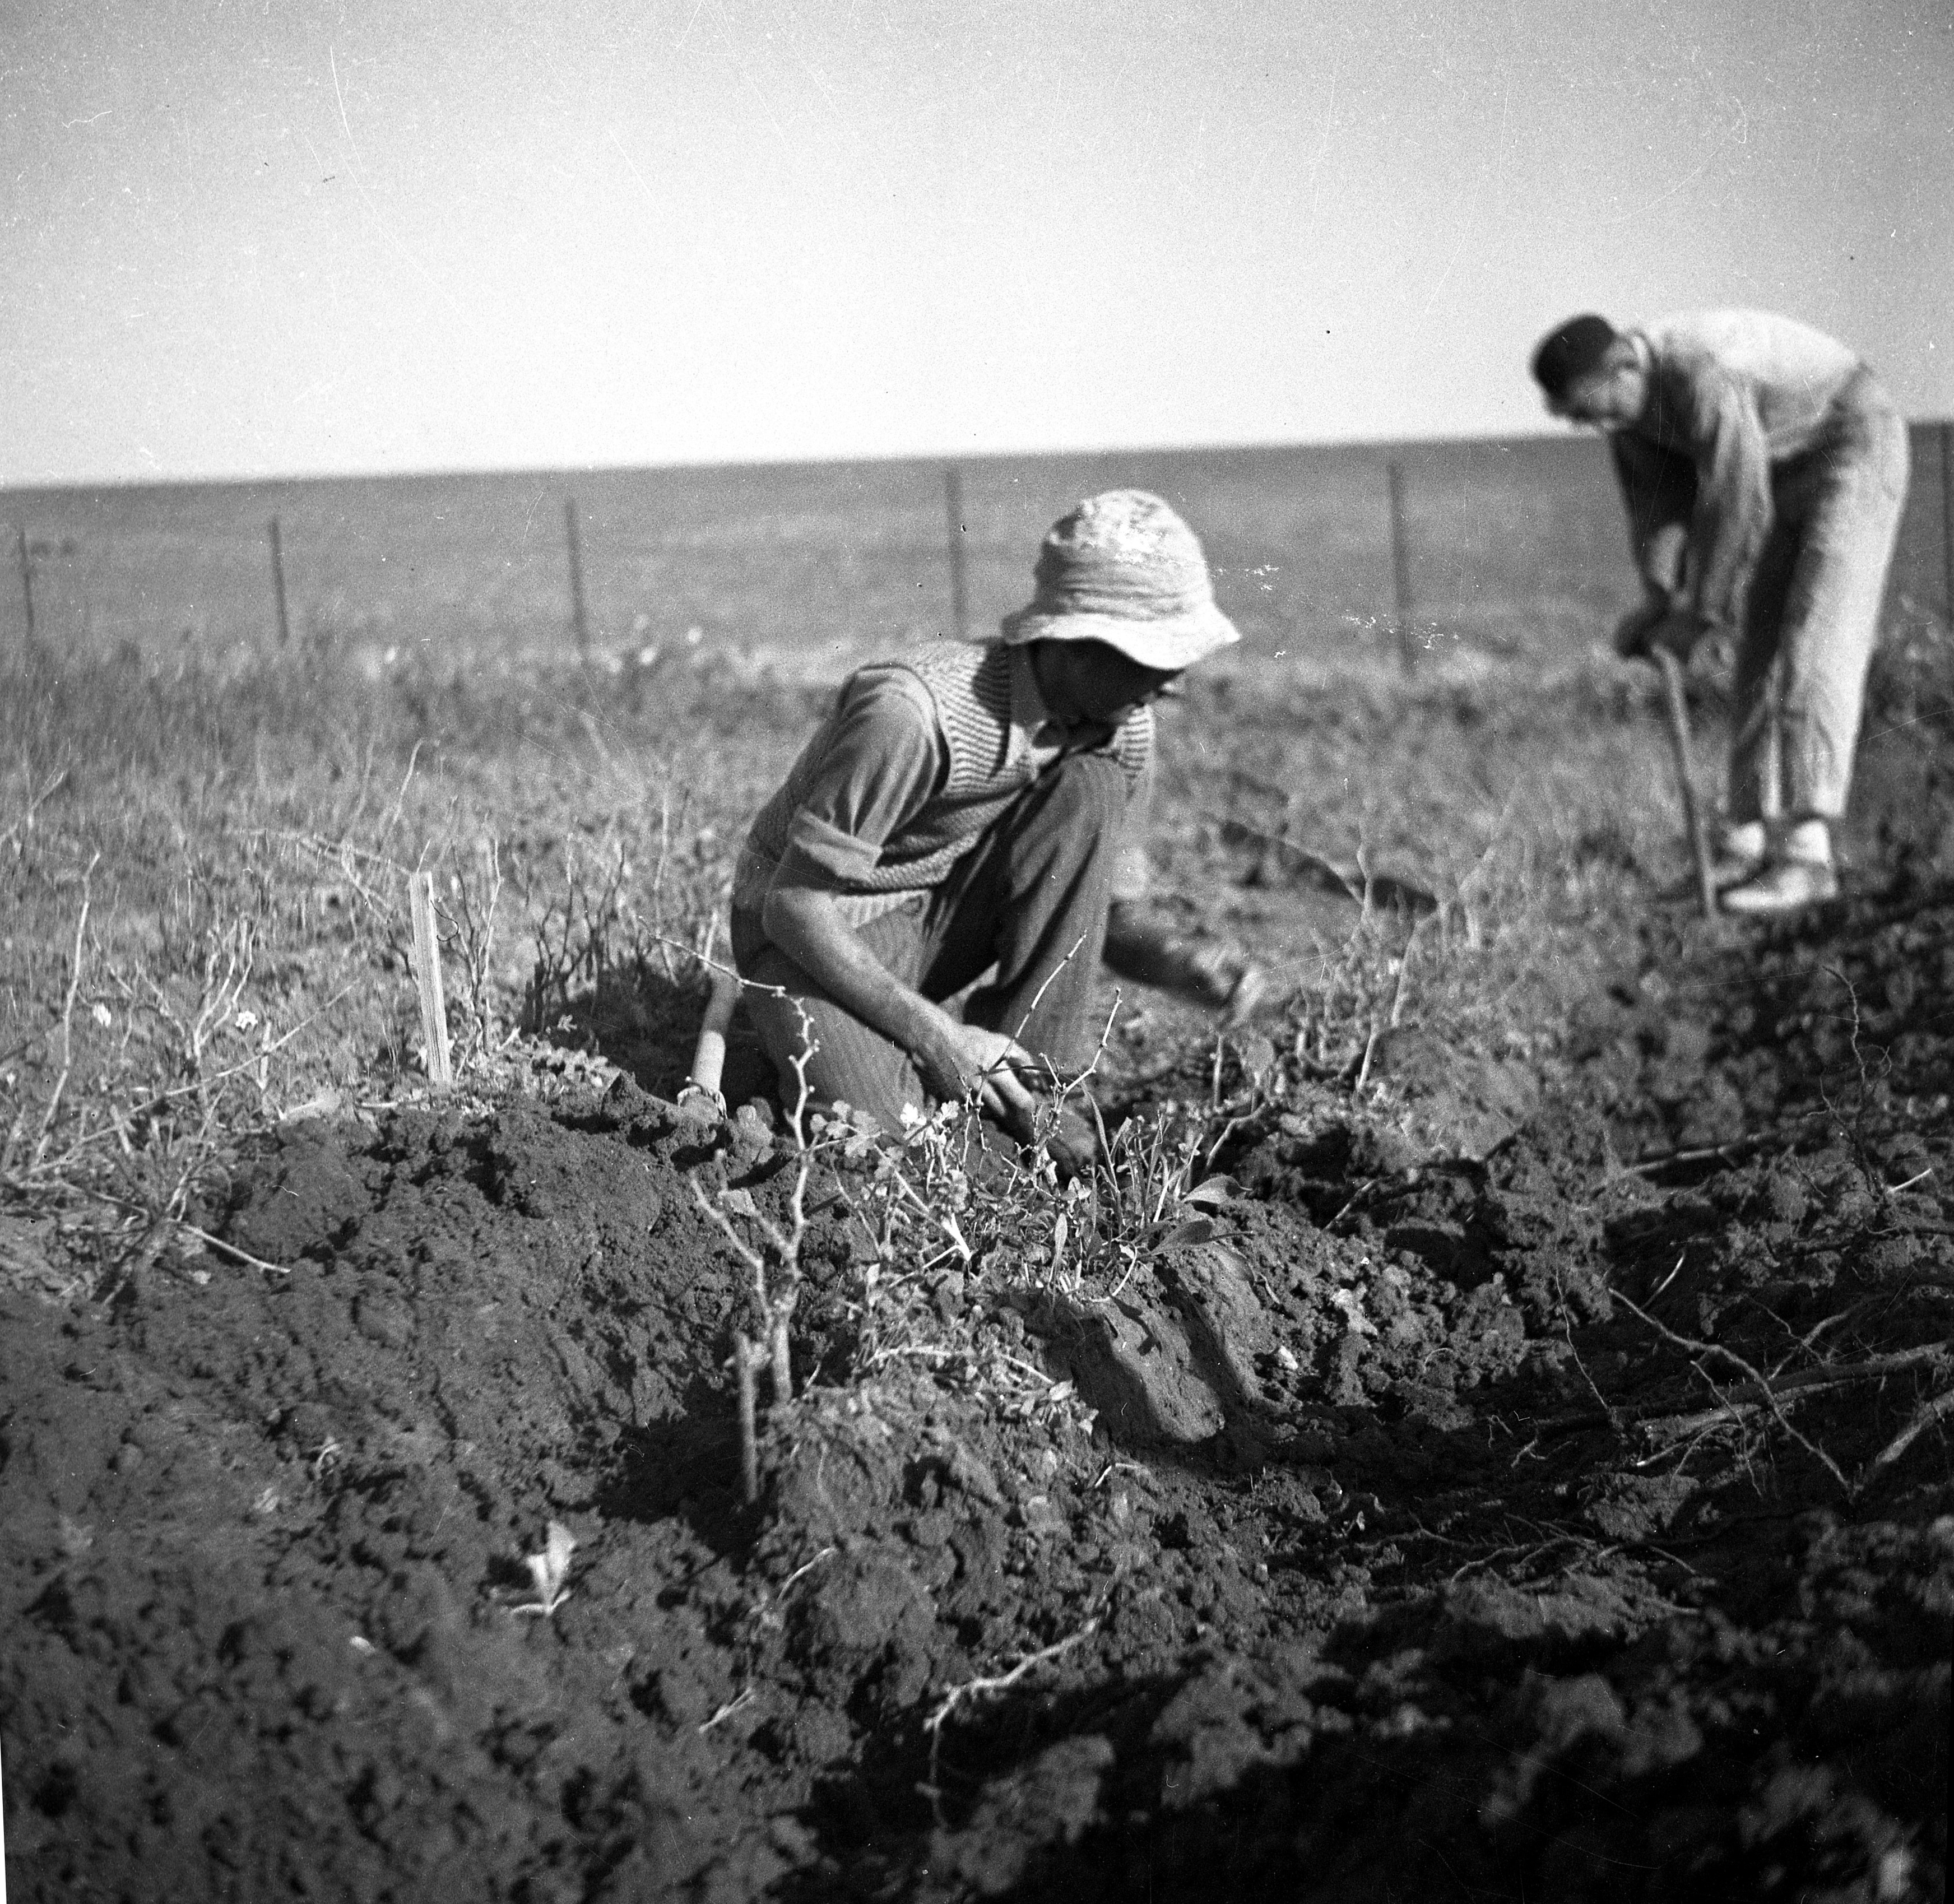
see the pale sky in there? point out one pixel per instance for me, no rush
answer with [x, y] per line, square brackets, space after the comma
[255, 238]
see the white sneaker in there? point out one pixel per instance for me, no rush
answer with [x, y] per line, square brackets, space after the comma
[1741, 853]
[1784, 886]
[1728, 868]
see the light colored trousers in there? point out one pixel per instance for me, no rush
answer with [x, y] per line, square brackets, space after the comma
[1812, 619]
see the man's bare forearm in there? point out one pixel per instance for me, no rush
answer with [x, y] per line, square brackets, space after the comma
[807, 926]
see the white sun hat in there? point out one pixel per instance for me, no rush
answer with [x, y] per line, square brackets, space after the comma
[1122, 568]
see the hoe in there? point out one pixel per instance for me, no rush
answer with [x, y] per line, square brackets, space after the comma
[1644, 619]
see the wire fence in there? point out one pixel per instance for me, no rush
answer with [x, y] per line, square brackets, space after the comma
[1511, 547]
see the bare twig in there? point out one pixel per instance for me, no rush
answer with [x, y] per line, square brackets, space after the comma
[68, 1016]
[1825, 1379]
[1696, 1350]
[805, 1567]
[123, 1203]
[1370, 1051]
[1786, 1390]
[407, 781]
[1050, 980]
[1923, 1418]
[981, 1688]
[738, 1704]
[1785, 1134]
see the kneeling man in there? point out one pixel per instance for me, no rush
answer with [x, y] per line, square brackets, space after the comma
[979, 812]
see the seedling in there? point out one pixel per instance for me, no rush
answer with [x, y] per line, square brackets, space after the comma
[548, 1570]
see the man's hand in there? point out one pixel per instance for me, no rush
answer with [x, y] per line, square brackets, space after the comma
[1664, 559]
[951, 1058]
[969, 1057]
[1656, 625]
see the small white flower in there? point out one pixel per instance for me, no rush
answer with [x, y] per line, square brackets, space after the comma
[245, 1020]
[101, 1015]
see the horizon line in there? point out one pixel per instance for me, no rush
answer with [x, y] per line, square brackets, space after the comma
[927, 459]
[938, 459]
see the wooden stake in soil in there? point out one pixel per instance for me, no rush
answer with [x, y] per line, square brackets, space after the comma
[278, 584]
[427, 976]
[952, 503]
[1401, 571]
[26, 579]
[579, 621]
[1686, 777]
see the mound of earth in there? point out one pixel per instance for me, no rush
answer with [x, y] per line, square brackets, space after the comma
[1558, 1507]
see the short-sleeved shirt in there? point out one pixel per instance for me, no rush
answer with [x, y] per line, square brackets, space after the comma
[884, 755]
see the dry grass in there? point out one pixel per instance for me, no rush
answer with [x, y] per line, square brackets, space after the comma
[204, 876]
[204, 881]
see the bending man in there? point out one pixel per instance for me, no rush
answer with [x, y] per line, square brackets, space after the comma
[970, 810]
[1764, 470]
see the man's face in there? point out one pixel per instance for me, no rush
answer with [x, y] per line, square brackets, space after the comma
[1610, 395]
[1089, 681]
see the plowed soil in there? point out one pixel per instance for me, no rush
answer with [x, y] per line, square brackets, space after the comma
[1528, 1517]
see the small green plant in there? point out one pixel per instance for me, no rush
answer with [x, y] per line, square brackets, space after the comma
[1153, 1195]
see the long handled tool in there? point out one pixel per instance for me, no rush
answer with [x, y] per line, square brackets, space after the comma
[701, 1095]
[1685, 775]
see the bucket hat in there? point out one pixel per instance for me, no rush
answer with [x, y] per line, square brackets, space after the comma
[1122, 568]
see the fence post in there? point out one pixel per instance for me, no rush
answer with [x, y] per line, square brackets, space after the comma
[1401, 571]
[952, 502]
[1947, 522]
[579, 619]
[26, 578]
[427, 978]
[278, 584]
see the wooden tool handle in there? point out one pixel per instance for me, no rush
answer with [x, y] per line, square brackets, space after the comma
[708, 1055]
[1685, 775]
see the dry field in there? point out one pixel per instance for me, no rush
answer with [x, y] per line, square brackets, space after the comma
[1503, 541]
[1486, 1436]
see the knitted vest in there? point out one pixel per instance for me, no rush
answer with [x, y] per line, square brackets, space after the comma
[970, 688]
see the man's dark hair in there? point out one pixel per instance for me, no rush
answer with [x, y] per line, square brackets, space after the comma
[1568, 354]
